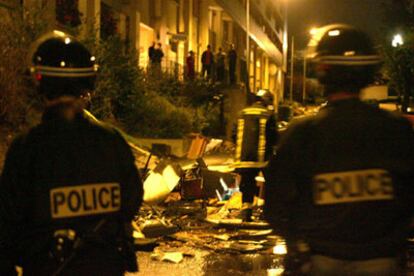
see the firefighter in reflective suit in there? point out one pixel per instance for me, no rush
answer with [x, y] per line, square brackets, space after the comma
[256, 136]
[69, 186]
[341, 183]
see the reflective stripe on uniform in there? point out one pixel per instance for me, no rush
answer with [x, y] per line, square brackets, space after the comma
[262, 140]
[352, 186]
[89, 199]
[240, 131]
[255, 111]
[65, 71]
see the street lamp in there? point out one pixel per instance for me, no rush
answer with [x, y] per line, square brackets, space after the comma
[397, 40]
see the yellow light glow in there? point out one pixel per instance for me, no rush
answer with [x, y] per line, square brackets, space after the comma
[67, 40]
[58, 33]
[349, 53]
[334, 33]
[313, 31]
[62, 64]
[272, 69]
[93, 58]
[275, 271]
[280, 249]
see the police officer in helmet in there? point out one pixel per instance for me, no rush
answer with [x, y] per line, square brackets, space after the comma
[340, 185]
[69, 186]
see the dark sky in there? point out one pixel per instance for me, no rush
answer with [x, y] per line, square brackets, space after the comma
[305, 14]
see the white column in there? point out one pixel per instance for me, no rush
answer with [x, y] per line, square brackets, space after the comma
[91, 20]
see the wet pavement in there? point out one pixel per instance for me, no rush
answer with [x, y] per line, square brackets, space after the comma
[206, 263]
[194, 246]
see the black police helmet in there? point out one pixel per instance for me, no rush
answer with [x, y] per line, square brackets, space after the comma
[344, 57]
[62, 66]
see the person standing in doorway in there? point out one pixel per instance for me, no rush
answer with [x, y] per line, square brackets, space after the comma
[220, 65]
[207, 61]
[232, 60]
[157, 60]
[190, 63]
[151, 51]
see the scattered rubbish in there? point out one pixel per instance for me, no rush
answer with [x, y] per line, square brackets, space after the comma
[153, 229]
[174, 257]
[161, 181]
[243, 247]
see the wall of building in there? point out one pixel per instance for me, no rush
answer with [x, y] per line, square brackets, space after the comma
[184, 25]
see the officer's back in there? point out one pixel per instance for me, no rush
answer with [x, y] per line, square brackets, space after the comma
[71, 184]
[342, 180]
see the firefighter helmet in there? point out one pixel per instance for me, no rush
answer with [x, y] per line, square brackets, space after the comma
[343, 57]
[62, 66]
[265, 96]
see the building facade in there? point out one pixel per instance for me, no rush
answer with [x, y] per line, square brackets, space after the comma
[184, 25]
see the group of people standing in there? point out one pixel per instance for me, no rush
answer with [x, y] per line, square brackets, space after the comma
[214, 65]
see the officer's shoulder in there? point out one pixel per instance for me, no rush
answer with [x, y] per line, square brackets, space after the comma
[20, 139]
[389, 116]
[99, 126]
[105, 129]
[299, 127]
[302, 122]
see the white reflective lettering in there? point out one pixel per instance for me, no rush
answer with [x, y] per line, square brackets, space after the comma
[90, 199]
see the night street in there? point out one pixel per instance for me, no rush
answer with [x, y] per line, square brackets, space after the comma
[206, 137]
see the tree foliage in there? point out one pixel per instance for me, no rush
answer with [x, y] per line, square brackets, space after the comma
[125, 95]
[18, 29]
[144, 105]
[399, 61]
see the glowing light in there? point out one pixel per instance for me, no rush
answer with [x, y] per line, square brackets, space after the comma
[62, 63]
[272, 69]
[280, 249]
[397, 40]
[67, 40]
[349, 53]
[59, 33]
[334, 33]
[261, 92]
[313, 31]
[275, 271]
[93, 58]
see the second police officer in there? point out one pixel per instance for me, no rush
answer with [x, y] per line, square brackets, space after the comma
[341, 181]
[70, 186]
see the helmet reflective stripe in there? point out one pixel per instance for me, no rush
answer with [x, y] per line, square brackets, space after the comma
[349, 60]
[65, 72]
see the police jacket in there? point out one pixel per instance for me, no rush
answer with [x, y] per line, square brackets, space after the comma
[68, 174]
[343, 181]
[256, 136]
